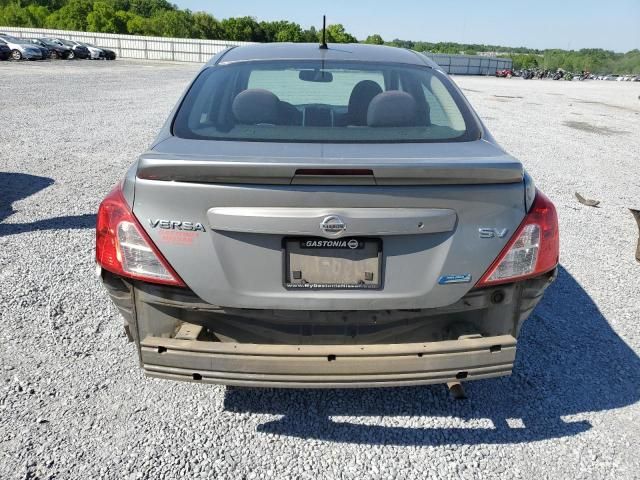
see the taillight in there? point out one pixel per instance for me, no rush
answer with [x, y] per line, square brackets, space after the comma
[533, 250]
[123, 247]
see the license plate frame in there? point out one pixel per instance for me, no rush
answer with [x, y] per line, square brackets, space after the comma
[370, 250]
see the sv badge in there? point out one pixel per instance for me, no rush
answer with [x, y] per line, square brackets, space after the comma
[486, 232]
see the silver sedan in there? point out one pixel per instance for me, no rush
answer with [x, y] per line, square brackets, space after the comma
[21, 49]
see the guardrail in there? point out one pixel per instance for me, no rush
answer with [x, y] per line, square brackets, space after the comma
[200, 51]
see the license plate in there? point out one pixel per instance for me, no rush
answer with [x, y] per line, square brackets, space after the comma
[340, 264]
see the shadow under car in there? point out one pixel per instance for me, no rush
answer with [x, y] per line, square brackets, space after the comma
[570, 361]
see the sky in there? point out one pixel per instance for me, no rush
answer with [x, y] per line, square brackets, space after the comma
[568, 24]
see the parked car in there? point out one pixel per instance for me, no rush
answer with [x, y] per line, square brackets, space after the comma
[56, 50]
[108, 54]
[5, 51]
[94, 53]
[351, 225]
[43, 50]
[505, 73]
[21, 49]
[77, 51]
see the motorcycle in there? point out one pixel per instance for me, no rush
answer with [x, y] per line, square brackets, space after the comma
[527, 74]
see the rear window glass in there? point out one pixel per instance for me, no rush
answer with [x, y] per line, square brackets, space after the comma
[328, 102]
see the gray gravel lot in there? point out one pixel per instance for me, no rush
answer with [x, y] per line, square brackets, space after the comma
[74, 404]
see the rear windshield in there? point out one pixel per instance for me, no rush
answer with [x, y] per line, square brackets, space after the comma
[327, 102]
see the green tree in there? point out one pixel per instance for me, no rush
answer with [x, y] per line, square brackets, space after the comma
[374, 39]
[552, 59]
[206, 26]
[628, 63]
[13, 15]
[36, 15]
[336, 33]
[310, 35]
[402, 43]
[242, 29]
[32, 15]
[526, 60]
[292, 33]
[172, 23]
[73, 16]
[138, 25]
[104, 18]
[149, 8]
[281, 31]
[51, 5]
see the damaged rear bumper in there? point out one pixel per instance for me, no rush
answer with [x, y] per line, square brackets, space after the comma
[334, 366]
[179, 337]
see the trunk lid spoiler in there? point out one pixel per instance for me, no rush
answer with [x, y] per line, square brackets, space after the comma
[477, 162]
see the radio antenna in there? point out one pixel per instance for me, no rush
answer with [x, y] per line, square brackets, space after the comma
[323, 45]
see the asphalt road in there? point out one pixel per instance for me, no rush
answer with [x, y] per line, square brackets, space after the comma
[74, 404]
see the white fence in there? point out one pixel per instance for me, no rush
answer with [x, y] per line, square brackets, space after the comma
[192, 50]
[470, 64]
[134, 46]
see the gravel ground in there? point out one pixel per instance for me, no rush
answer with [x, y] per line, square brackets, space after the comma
[74, 404]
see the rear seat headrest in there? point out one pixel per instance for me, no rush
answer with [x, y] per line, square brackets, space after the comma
[392, 109]
[255, 106]
[363, 92]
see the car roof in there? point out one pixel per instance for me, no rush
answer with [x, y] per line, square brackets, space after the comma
[12, 39]
[312, 51]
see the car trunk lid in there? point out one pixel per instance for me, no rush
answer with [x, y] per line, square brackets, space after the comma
[423, 203]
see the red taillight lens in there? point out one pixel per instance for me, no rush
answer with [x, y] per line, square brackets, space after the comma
[533, 250]
[123, 247]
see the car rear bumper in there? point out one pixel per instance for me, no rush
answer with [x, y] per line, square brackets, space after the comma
[179, 337]
[332, 366]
